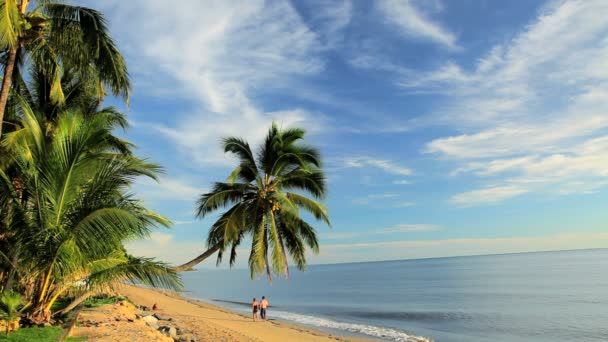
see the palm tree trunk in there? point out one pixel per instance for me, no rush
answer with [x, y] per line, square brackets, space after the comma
[6, 83]
[8, 71]
[188, 266]
[74, 303]
[11, 274]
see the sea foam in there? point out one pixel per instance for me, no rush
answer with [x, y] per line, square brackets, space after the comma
[366, 329]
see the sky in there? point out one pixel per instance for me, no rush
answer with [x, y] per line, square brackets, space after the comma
[446, 127]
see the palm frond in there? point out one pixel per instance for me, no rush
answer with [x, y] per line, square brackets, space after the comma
[317, 209]
[145, 271]
[9, 23]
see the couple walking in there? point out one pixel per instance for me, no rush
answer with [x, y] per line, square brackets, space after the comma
[261, 305]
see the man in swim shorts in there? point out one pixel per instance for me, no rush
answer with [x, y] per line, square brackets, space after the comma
[263, 306]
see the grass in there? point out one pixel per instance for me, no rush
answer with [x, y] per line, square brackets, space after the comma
[94, 302]
[46, 334]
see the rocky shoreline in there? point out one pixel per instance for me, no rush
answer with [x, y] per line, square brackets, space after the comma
[125, 321]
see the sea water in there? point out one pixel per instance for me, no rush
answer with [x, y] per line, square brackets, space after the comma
[549, 296]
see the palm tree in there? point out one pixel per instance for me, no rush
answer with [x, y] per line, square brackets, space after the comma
[11, 306]
[79, 96]
[263, 197]
[58, 38]
[73, 210]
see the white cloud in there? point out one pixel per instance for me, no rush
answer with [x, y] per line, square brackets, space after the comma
[532, 110]
[168, 188]
[383, 164]
[404, 204]
[329, 18]
[373, 198]
[233, 52]
[581, 168]
[408, 228]
[413, 23]
[487, 195]
[164, 247]
[402, 182]
[200, 135]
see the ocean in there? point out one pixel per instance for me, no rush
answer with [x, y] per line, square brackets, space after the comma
[545, 296]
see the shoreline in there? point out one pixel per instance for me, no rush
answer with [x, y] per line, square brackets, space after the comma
[201, 320]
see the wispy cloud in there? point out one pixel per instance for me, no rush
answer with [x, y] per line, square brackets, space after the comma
[234, 52]
[329, 18]
[373, 198]
[531, 113]
[168, 188]
[487, 195]
[405, 204]
[413, 23]
[383, 164]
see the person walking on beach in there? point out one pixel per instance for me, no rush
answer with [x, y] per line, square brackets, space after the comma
[263, 306]
[255, 305]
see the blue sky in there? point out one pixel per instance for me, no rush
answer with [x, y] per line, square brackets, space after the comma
[447, 127]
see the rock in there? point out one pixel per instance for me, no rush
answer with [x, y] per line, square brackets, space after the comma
[162, 318]
[183, 331]
[185, 338]
[168, 330]
[143, 308]
[151, 321]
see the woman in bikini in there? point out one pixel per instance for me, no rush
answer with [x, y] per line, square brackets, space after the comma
[255, 305]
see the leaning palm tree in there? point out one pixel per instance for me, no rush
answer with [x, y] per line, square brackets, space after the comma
[73, 209]
[56, 38]
[263, 197]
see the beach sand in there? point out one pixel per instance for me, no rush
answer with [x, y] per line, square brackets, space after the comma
[203, 321]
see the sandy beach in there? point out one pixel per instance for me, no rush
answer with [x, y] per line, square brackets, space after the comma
[201, 321]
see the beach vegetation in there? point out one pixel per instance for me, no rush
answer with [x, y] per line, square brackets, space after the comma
[71, 209]
[66, 209]
[11, 305]
[38, 334]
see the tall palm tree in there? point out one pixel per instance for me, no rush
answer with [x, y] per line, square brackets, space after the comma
[263, 196]
[57, 38]
[73, 209]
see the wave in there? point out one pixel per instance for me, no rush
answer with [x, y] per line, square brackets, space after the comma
[366, 329]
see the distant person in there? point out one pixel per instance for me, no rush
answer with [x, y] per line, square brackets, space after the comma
[255, 305]
[263, 306]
